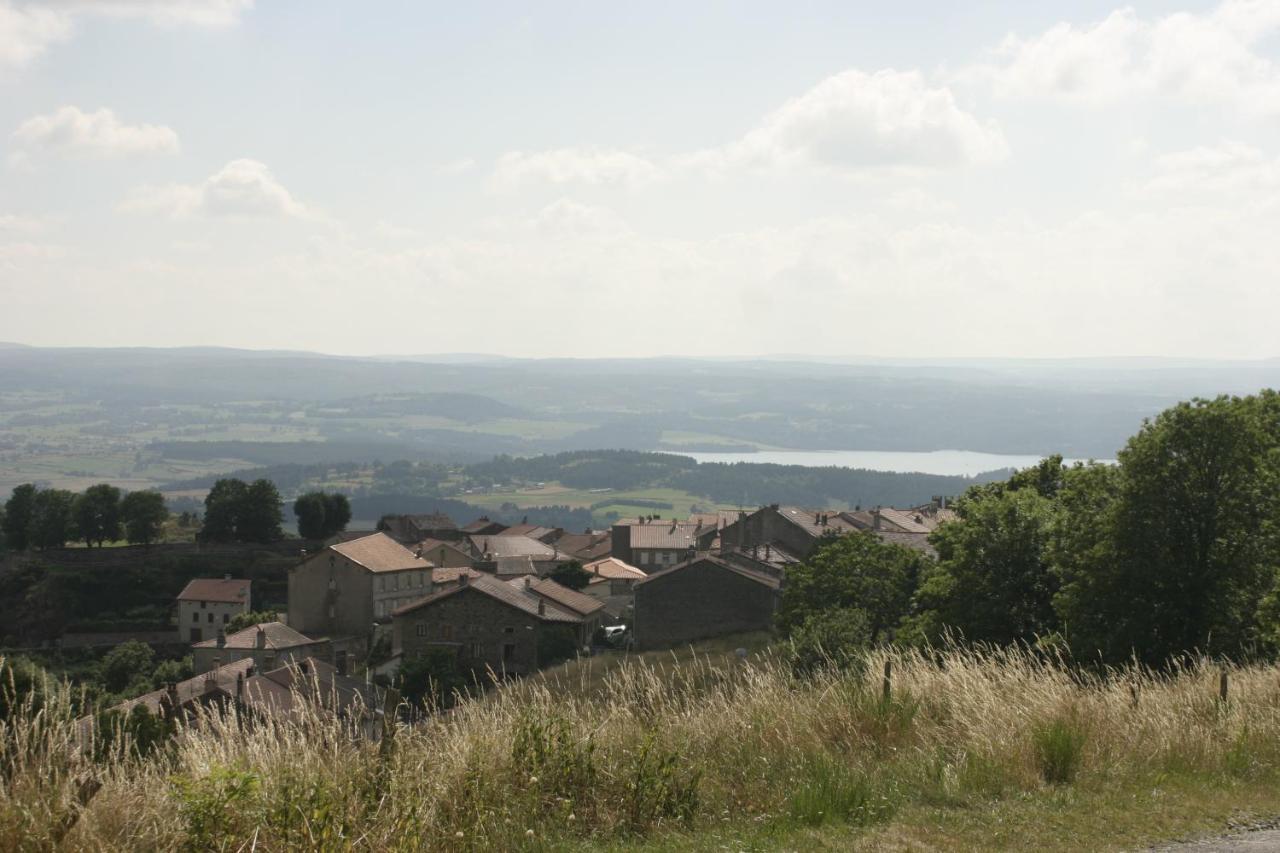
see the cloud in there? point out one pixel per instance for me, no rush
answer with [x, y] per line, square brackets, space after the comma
[200, 13]
[241, 189]
[855, 122]
[28, 29]
[70, 130]
[1233, 168]
[14, 223]
[1208, 58]
[26, 32]
[596, 166]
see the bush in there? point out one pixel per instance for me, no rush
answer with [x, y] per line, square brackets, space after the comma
[830, 639]
[828, 790]
[1059, 748]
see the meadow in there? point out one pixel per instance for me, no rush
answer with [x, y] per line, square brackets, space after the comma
[968, 750]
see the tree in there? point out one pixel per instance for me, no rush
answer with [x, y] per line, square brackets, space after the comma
[51, 520]
[260, 515]
[144, 516]
[860, 571]
[571, 574]
[17, 517]
[1187, 546]
[321, 515]
[433, 677]
[240, 512]
[222, 507]
[992, 581]
[130, 662]
[247, 620]
[310, 511]
[97, 514]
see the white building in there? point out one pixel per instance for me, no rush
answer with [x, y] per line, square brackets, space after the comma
[206, 605]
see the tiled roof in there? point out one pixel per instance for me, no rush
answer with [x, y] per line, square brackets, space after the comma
[277, 635]
[666, 534]
[378, 552]
[611, 568]
[229, 590]
[222, 679]
[480, 524]
[916, 541]
[533, 531]
[427, 546]
[580, 603]
[810, 520]
[772, 553]
[908, 521]
[758, 577]
[585, 546]
[314, 680]
[501, 591]
[449, 574]
[513, 546]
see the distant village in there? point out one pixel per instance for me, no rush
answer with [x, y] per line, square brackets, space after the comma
[483, 594]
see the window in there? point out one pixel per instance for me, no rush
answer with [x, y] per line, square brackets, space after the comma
[420, 629]
[195, 617]
[446, 632]
[195, 633]
[382, 584]
[379, 608]
[226, 617]
[203, 604]
[332, 609]
[477, 650]
[508, 630]
[210, 617]
[508, 652]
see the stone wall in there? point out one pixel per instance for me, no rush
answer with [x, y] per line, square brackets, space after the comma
[700, 600]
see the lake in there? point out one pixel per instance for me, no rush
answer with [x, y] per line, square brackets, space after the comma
[949, 462]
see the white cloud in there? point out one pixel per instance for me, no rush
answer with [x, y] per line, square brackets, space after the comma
[70, 130]
[588, 165]
[1208, 58]
[854, 122]
[201, 13]
[27, 29]
[1228, 167]
[241, 189]
[14, 223]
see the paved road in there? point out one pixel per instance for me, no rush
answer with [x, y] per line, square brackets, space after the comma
[1245, 842]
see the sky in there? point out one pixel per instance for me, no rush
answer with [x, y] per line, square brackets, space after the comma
[581, 179]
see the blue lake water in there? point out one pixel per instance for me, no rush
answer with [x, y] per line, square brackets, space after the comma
[951, 462]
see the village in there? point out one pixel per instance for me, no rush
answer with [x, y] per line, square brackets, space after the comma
[498, 602]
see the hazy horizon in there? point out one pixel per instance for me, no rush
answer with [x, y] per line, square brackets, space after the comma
[733, 180]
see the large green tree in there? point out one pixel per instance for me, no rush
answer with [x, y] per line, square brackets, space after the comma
[321, 515]
[856, 571]
[260, 514]
[17, 516]
[1187, 547]
[144, 514]
[222, 508]
[991, 582]
[97, 514]
[51, 523]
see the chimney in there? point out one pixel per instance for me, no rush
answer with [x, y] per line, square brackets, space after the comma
[875, 518]
[340, 662]
[542, 607]
[528, 582]
[464, 578]
[768, 551]
[171, 691]
[222, 639]
[239, 686]
[260, 639]
[418, 553]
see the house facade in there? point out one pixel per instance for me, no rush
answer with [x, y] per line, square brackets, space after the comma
[206, 605]
[704, 597]
[348, 588]
[269, 645]
[488, 623]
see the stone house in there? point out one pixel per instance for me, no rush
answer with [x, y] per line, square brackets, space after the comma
[206, 605]
[488, 623]
[590, 609]
[442, 554]
[345, 590]
[613, 584]
[268, 645]
[655, 545]
[704, 597]
[414, 528]
[796, 530]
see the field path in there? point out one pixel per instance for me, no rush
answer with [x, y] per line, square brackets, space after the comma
[1255, 841]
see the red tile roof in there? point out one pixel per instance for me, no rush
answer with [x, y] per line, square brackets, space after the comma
[501, 591]
[227, 590]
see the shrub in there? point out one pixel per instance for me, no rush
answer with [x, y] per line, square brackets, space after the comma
[831, 791]
[1059, 748]
[830, 639]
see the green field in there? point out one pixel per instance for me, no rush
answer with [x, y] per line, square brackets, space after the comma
[554, 494]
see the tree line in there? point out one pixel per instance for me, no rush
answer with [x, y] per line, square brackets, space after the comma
[50, 518]
[1174, 549]
[235, 511]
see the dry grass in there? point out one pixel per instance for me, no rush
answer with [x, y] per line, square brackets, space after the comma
[670, 756]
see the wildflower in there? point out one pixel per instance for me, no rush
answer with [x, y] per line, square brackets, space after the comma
[528, 833]
[572, 816]
[533, 780]
[459, 834]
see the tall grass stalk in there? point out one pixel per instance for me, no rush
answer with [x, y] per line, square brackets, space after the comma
[653, 747]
